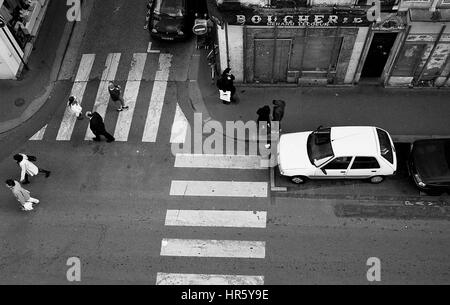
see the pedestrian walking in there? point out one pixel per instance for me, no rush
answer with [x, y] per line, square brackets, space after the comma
[114, 92]
[97, 126]
[278, 111]
[75, 107]
[264, 117]
[22, 195]
[28, 168]
[225, 83]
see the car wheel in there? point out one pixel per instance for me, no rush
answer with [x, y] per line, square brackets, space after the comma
[298, 179]
[376, 179]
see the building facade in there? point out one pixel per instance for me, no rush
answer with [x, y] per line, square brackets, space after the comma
[20, 20]
[328, 42]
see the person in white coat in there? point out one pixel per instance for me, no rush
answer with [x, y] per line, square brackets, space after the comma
[75, 107]
[22, 195]
[28, 168]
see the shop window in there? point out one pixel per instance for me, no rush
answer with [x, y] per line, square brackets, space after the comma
[409, 60]
[319, 52]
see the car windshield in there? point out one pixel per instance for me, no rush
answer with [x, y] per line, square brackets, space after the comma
[386, 149]
[173, 8]
[432, 158]
[319, 146]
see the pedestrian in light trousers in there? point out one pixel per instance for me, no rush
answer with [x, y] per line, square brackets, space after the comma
[75, 107]
[22, 195]
[28, 168]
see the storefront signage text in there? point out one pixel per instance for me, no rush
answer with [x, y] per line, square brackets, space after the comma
[299, 20]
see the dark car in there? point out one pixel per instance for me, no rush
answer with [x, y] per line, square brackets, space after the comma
[429, 165]
[170, 19]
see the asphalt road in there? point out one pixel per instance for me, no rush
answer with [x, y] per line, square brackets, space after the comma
[107, 203]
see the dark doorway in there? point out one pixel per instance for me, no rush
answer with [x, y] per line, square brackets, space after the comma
[378, 54]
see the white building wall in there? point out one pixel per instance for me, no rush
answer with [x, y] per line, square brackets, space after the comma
[356, 55]
[9, 59]
[236, 48]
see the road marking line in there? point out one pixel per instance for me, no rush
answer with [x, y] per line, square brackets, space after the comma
[79, 87]
[209, 218]
[218, 188]
[179, 127]
[130, 95]
[102, 99]
[157, 99]
[213, 248]
[218, 161]
[207, 279]
[149, 47]
[40, 134]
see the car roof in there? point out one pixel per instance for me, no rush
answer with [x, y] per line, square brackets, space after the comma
[354, 141]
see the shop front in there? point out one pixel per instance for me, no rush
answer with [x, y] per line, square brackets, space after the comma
[423, 59]
[311, 46]
[20, 23]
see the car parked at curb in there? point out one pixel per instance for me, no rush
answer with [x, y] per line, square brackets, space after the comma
[429, 165]
[170, 19]
[351, 152]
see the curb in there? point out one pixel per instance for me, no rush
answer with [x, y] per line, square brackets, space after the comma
[39, 102]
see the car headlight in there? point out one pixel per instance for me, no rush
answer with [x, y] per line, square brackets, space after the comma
[154, 31]
[419, 181]
[180, 32]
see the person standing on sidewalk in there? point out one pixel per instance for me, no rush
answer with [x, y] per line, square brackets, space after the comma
[225, 83]
[75, 107]
[22, 195]
[278, 111]
[98, 127]
[114, 92]
[264, 117]
[28, 168]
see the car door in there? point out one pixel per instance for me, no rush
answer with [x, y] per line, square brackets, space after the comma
[364, 167]
[335, 169]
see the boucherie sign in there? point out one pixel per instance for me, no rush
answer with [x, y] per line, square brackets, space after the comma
[341, 19]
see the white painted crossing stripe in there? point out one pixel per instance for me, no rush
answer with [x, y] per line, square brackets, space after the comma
[218, 188]
[213, 248]
[179, 127]
[205, 218]
[78, 89]
[218, 161]
[102, 99]
[157, 99]
[39, 135]
[207, 279]
[84, 70]
[130, 96]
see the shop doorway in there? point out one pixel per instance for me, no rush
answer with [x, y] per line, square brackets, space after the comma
[379, 52]
[271, 62]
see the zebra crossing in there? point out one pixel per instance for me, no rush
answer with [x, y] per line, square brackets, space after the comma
[67, 123]
[215, 219]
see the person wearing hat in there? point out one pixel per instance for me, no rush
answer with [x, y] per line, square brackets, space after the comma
[225, 83]
[98, 127]
[22, 195]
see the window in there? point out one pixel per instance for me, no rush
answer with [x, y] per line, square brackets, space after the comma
[386, 149]
[319, 146]
[339, 163]
[365, 163]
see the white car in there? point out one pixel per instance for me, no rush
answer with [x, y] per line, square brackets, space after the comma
[337, 153]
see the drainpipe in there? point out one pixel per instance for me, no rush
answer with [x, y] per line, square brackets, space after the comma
[431, 54]
[227, 45]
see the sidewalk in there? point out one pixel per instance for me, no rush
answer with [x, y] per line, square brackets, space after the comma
[408, 114]
[21, 99]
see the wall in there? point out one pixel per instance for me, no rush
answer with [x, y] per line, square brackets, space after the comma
[236, 49]
[356, 55]
[9, 59]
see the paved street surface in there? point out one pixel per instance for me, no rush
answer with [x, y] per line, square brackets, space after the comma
[135, 213]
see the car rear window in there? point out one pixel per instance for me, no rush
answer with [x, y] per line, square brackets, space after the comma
[386, 149]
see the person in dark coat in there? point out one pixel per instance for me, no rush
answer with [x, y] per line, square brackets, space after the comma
[98, 127]
[114, 92]
[225, 82]
[264, 116]
[278, 111]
